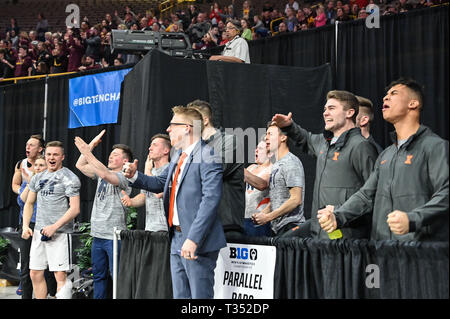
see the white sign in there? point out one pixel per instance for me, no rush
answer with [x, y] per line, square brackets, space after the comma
[245, 272]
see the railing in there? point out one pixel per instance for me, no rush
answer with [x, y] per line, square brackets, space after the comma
[167, 5]
[31, 77]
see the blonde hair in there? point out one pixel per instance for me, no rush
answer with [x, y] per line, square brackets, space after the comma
[190, 114]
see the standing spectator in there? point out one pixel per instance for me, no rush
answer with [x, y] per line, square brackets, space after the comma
[320, 19]
[6, 65]
[344, 162]
[13, 25]
[286, 186]
[257, 178]
[406, 195]
[157, 161]
[365, 119]
[57, 191]
[247, 11]
[23, 62]
[330, 12]
[107, 210]
[232, 204]
[76, 52]
[341, 16]
[215, 14]
[41, 27]
[59, 54]
[291, 20]
[291, 4]
[93, 43]
[309, 15]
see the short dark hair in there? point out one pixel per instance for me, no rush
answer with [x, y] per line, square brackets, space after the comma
[125, 149]
[39, 138]
[347, 99]
[413, 85]
[165, 137]
[365, 106]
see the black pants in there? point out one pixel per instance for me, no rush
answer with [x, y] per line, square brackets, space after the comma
[293, 230]
[25, 279]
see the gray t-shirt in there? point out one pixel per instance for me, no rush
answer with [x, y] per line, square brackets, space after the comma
[155, 217]
[108, 211]
[53, 190]
[286, 173]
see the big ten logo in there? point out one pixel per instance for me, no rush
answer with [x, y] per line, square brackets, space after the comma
[73, 19]
[373, 18]
[243, 253]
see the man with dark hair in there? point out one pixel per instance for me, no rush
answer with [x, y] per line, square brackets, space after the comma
[107, 211]
[408, 188]
[344, 159]
[22, 175]
[236, 50]
[232, 204]
[286, 186]
[364, 119]
[157, 161]
[33, 148]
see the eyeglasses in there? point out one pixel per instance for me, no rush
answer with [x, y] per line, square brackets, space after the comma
[175, 124]
[231, 28]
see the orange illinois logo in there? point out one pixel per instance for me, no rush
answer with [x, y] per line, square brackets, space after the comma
[408, 159]
[336, 155]
[382, 162]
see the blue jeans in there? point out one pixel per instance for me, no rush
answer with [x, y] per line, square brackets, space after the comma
[254, 230]
[102, 261]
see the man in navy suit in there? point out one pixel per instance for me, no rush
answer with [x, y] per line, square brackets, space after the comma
[192, 186]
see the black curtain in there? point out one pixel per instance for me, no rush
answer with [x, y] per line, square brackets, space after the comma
[22, 109]
[413, 44]
[144, 266]
[241, 97]
[307, 268]
[308, 48]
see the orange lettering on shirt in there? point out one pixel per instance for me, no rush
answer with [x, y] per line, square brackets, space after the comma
[336, 155]
[408, 159]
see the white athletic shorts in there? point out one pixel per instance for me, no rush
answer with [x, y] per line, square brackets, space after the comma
[56, 253]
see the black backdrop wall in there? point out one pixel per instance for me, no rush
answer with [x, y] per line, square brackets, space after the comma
[413, 44]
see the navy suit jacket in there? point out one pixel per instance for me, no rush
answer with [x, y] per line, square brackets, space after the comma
[198, 196]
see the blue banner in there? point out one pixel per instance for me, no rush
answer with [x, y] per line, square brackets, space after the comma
[94, 99]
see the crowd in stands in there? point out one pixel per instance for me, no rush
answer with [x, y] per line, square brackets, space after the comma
[39, 51]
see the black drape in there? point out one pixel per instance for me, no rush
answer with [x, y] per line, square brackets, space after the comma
[415, 45]
[144, 267]
[241, 96]
[22, 109]
[307, 268]
[308, 48]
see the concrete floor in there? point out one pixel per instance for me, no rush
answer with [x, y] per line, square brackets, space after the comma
[9, 293]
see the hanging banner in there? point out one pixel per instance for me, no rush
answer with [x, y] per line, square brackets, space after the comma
[94, 99]
[245, 272]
